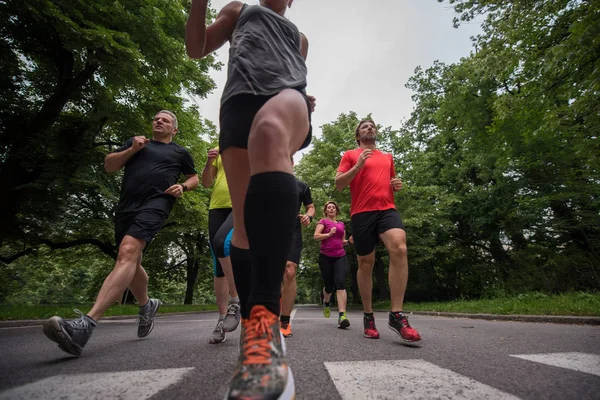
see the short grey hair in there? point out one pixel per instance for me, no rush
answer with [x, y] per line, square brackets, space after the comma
[175, 125]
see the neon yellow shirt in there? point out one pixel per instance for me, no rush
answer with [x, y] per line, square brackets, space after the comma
[220, 195]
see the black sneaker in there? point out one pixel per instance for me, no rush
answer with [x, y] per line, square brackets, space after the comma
[71, 334]
[146, 317]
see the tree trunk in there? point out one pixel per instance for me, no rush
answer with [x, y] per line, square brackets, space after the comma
[192, 275]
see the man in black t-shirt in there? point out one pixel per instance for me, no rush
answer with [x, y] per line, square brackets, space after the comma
[288, 292]
[148, 192]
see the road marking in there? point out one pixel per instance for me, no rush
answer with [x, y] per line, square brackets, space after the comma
[124, 385]
[410, 379]
[582, 362]
[293, 314]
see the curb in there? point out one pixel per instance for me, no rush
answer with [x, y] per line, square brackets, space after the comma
[39, 322]
[549, 319]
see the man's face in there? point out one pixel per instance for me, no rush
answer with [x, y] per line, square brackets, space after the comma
[367, 131]
[163, 124]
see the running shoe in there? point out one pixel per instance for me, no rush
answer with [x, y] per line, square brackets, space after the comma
[371, 331]
[326, 311]
[261, 371]
[286, 329]
[218, 335]
[232, 319]
[343, 322]
[399, 324]
[71, 334]
[146, 317]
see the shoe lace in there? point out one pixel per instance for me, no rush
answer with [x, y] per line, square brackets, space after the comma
[370, 323]
[232, 309]
[80, 323]
[219, 326]
[143, 319]
[258, 336]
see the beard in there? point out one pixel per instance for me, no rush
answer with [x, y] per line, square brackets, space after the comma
[368, 137]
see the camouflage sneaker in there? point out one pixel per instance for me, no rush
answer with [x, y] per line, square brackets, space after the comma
[232, 319]
[218, 335]
[71, 334]
[261, 371]
[146, 317]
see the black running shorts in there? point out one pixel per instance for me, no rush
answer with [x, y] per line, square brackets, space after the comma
[236, 117]
[368, 225]
[144, 224]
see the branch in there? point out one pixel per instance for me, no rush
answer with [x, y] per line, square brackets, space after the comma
[107, 143]
[107, 249]
[16, 256]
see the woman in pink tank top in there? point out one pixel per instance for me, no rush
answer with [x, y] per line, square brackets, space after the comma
[333, 262]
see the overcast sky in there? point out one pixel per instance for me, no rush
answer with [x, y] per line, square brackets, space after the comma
[362, 53]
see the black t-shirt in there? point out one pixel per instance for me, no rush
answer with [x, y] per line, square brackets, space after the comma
[304, 197]
[150, 172]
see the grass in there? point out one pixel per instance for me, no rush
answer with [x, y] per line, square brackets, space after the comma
[578, 303]
[18, 312]
[575, 304]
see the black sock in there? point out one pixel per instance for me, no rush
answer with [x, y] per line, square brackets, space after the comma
[326, 304]
[369, 315]
[242, 275]
[285, 318]
[271, 195]
[342, 313]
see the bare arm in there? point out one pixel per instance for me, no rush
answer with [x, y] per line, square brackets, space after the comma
[343, 179]
[303, 46]
[115, 161]
[319, 236]
[209, 173]
[201, 40]
[190, 183]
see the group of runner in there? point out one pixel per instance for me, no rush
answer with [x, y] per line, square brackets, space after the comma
[264, 119]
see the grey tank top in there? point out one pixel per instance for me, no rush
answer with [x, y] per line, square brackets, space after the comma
[264, 57]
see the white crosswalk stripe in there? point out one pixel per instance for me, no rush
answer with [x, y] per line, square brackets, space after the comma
[412, 379]
[582, 362]
[125, 385]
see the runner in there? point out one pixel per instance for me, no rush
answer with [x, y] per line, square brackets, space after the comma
[372, 179]
[333, 261]
[148, 193]
[288, 292]
[264, 120]
[219, 210]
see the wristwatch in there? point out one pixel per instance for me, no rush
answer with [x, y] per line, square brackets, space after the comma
[185, 189]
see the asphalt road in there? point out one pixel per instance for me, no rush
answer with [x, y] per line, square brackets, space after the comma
[458, 359]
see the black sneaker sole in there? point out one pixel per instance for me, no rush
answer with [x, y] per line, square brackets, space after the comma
[344, 324]
[211, 341]
[55, 332]
[401, 338]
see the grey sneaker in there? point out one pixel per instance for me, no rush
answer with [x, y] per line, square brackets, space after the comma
[218, 335]
[71, 334]
[146, 317]
[232, 319]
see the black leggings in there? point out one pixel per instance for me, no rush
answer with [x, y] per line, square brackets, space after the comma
[333, 271]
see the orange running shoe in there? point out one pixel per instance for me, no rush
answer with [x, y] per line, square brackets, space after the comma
[261, 371]
[286, 329]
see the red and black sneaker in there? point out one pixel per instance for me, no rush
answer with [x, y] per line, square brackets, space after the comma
[371, 331]
[399, 324]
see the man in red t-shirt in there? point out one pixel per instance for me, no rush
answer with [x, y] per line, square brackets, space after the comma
[372, 179]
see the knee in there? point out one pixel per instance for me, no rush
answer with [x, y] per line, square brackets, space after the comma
[365, 266]
[128, 253]
[290, 272]
[398, 250]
